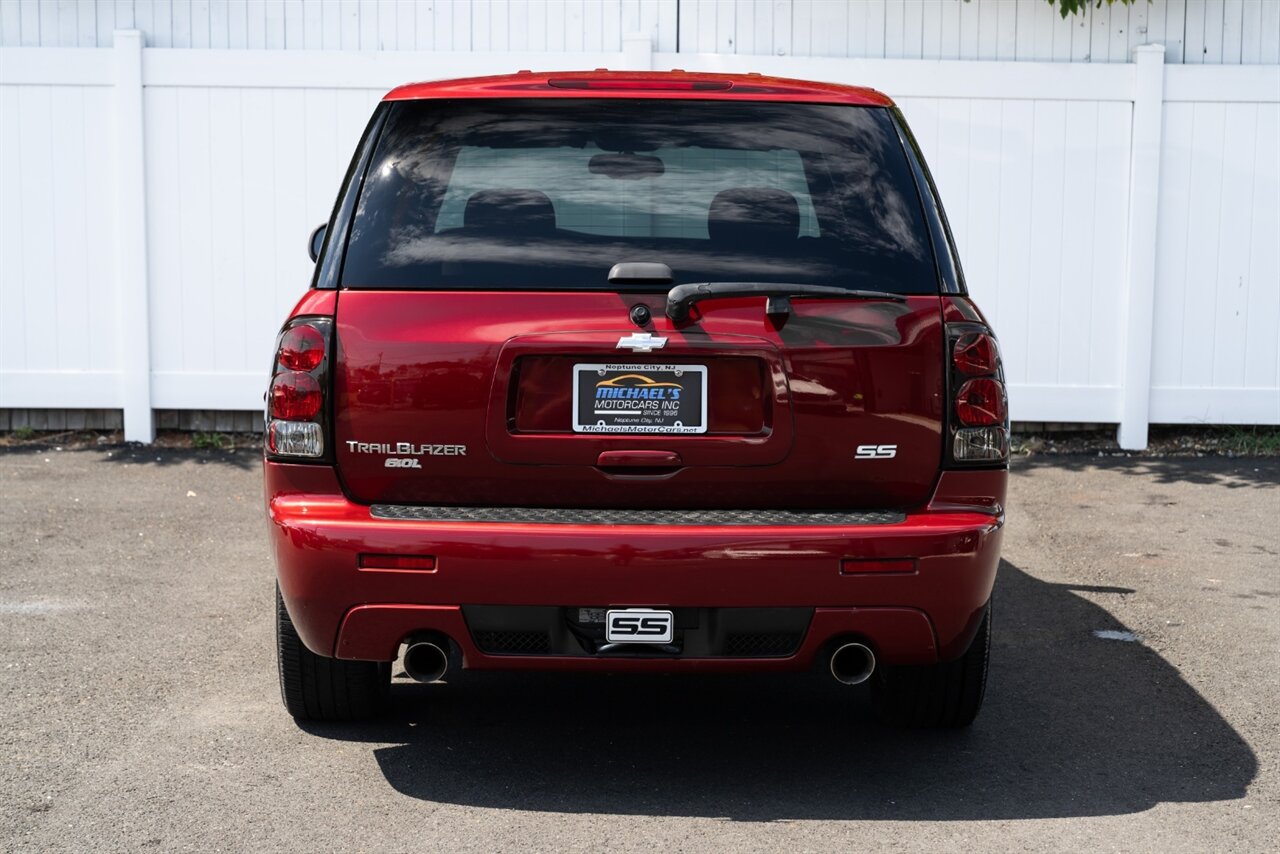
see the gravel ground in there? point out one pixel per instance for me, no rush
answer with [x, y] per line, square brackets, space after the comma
[139, 708]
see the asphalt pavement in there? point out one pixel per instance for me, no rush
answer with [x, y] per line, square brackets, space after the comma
[1134, 701]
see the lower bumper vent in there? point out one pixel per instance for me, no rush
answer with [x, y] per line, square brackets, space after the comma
[761, 645]
[579, 630]
[513, 643]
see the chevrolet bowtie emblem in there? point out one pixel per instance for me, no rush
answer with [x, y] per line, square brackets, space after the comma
[641, 342]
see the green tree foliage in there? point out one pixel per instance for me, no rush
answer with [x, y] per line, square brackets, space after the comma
[1072, 7]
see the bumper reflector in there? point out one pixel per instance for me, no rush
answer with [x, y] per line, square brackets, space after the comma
[398, 563]
[981, 443]
[863, 567]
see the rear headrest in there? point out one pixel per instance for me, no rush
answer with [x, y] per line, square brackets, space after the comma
[753, 213]
[510, 210]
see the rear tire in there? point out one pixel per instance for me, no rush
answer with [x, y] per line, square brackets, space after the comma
[936, 696]
[317, 688]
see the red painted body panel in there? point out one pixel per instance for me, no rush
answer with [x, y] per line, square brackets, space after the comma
[316, 302]
[318, 534]
[960, 309]
[431, 367]
[754, 87]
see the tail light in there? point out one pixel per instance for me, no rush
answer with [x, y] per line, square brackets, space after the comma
[980, 403]
[975, 354]
[295, 396]
[302, 348]
[979, 408]
[297, 412]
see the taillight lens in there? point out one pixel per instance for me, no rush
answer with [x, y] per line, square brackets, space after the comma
[980, 444]
[296, 413]
[975, 354]
[295, 439]
[302, 348]
[295, 396]
[980, 402]
[979, 416]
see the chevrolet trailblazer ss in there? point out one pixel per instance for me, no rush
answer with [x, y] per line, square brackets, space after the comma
[636, 372]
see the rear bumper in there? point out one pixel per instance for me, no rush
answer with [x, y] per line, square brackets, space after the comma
[924, 614]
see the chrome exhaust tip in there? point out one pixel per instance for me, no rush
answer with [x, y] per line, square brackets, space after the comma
[426, 658]
[853, 663]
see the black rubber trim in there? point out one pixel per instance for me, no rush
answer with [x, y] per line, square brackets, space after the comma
[677, 518]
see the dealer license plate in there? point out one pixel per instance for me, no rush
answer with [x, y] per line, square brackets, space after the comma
[639, 398]
[639, 625]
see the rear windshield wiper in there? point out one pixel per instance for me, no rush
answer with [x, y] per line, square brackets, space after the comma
[681, 298]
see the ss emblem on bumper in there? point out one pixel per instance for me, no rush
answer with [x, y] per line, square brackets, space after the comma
[639, 625]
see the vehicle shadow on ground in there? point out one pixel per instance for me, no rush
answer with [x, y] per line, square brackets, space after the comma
[244, 457]
[1073, 726]
[1228, 472]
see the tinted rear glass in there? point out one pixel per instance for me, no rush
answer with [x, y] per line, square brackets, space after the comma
[551, 193]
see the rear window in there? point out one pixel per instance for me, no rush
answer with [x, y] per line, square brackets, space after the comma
[551, 193]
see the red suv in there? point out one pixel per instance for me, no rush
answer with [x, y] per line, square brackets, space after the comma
[636, 372]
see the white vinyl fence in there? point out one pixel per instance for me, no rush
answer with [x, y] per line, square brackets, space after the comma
[1227, 32]
[1119, 222]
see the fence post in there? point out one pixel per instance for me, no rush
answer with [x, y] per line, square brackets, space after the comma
[131, 238]
[637, 52]
[1144, 201]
